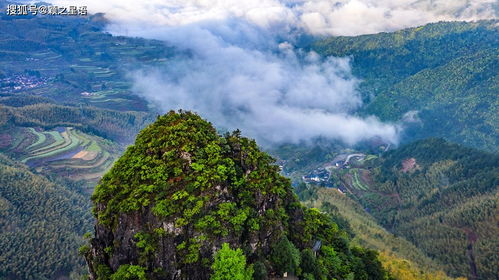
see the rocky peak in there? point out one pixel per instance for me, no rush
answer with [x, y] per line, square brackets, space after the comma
[181, 191]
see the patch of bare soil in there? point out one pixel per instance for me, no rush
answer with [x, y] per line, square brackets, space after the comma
[472, 238]
[408, 165]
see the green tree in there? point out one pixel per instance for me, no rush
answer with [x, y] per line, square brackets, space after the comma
[285, 256]
[230, 264]
[260, 271]
[309, 265]
[129, 272]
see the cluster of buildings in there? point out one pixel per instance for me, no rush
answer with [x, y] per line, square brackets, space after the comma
[318, 176]
[321, 176]
[20, 83]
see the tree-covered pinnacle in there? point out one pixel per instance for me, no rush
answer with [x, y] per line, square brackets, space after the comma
[177, 163]
[183, 192]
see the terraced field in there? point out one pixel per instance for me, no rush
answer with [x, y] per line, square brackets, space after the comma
[357, 181]
[63, 150]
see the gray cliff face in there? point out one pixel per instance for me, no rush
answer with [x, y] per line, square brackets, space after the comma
[123, 241]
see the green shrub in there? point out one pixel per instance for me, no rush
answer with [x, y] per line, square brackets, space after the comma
[129, 272]
[230, 265]
[285, 256]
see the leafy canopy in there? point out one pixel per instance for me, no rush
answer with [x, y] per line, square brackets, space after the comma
[230, 265]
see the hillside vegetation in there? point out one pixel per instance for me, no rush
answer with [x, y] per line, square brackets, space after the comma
[42, 224]
[400, 257]
[447, 204]
[441, 197]
[114, 125]
[447, 72]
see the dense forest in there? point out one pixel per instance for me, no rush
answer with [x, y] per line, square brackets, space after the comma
[443, 198]
[437, 196]
[42, 224]
[446, 72]
[400, 257]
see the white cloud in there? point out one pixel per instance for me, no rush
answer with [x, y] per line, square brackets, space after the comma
[239, 76]
[340, 17]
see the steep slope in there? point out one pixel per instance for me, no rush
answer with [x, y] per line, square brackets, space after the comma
[445, 71]
[41, 224]
[115, 125]
[399, 256]
[182, 191]
[443, 198]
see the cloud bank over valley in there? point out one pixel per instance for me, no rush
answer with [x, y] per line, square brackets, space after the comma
[246, 71]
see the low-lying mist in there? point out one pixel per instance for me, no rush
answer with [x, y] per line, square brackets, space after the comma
[240, 76]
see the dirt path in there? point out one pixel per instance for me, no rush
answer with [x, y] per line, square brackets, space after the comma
[351, 156]
[472, 238]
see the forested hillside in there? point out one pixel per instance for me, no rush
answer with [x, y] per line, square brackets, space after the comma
[442, 80]
[446, 72]
[41, 225]
[120, 126]
[400, 257]
[437, 196]
[443, 198]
